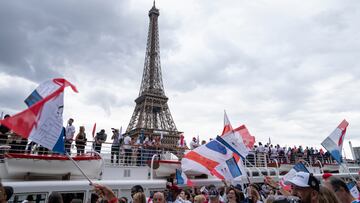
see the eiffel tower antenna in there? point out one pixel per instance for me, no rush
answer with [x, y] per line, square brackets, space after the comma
[152, 115]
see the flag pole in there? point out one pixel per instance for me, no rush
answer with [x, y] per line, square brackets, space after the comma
[74, 162]
[348, 171]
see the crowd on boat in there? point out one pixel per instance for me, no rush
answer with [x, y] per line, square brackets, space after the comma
[124, 148]
[304, 188]
[276, 153]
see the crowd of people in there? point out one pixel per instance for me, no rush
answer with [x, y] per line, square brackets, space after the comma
[292, 154]
[124, 147]
[305, 188]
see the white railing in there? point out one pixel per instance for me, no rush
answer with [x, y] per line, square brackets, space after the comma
[139, 155]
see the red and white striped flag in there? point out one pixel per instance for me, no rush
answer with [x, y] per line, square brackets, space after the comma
[227, 125]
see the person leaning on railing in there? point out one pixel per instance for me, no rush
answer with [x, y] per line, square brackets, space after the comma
[115, 146]
[127, 149]
[80, 141]
[69, 135]
[100, 138]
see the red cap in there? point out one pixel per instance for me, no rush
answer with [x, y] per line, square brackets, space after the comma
[326, 175]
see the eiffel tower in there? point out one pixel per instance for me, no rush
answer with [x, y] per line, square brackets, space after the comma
[152, 115]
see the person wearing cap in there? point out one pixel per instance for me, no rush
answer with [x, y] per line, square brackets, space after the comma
[341, 190]
[214, 195]
[305, 186]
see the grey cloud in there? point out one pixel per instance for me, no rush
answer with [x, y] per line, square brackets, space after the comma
[43, 38]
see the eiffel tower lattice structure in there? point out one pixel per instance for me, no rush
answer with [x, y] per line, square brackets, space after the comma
[152, 115]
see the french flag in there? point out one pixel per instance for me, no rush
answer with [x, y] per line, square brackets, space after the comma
[182, 179]
[333, 143]
[42, 122]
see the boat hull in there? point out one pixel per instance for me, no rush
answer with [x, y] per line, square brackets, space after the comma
[50, 165]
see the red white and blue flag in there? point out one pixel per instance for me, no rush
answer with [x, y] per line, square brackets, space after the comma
[239, 140]
[334, 142]
[205, 158]
[216, 157]
[182, 179]
[229, 169]
[42, 122]
[353, 189]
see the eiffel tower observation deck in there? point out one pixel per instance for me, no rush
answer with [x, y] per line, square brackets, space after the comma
[152, 115]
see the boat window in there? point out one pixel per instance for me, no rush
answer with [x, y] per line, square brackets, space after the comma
[76, 197]
[31, 197]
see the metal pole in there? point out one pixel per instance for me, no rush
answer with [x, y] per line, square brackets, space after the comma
[87, 177]
[152, 166]
[321, 166]
[277, 168]
[346, 168]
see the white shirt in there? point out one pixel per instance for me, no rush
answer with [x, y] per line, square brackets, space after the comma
[260, 149]
[274, 151]
[69, 132]
[193, 145]
[147, 141]
[127, 142]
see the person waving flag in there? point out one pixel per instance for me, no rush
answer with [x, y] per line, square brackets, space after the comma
[42, 122]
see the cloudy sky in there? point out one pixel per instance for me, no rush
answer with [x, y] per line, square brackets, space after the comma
[289, 70]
